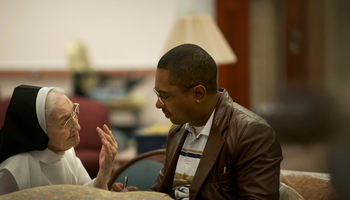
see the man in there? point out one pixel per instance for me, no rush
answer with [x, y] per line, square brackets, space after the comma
[37, 139]
[216, 149]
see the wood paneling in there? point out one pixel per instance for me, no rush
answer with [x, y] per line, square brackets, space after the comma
[296, 37]
[232, 19]
[305, 43]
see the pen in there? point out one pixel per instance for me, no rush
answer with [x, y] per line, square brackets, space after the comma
[125, 182]
[225, 170]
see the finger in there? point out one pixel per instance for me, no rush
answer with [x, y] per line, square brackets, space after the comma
[118, 187]
[109, 150]
[111, 140]
[105, 143]
[106, 129]
[100, 132]
[132, 188]
[108, 132]
[106, 138]
[108, 135]
[108, 142]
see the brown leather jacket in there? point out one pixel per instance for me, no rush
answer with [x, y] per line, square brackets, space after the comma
[240, 140]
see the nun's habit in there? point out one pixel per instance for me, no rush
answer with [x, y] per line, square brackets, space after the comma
[25, 161]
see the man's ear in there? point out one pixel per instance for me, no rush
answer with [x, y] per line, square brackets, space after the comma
[199, 92]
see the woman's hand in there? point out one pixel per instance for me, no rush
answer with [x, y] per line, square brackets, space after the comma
[108, 151]
[118, 187]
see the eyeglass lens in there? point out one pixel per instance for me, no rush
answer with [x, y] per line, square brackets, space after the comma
[75, 114]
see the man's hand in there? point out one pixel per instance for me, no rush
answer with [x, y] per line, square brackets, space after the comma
[118, 187]
[108, 151]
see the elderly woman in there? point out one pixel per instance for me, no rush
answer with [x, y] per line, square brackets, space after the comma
[41, 127]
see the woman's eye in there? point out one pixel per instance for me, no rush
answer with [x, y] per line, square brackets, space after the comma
[64, 122]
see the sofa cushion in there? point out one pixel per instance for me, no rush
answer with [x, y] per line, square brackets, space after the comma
[288, 193]
[310, 185]
[80, 192]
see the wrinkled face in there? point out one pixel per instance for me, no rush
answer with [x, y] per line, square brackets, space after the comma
[177, 108]
[62, 138]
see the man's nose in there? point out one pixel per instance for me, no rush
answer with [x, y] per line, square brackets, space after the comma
[159, 104]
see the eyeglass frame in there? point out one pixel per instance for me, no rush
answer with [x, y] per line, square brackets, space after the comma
[161, 99]
[75, 114]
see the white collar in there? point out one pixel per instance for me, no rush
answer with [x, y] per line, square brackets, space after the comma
[205, 131]
[47, 156]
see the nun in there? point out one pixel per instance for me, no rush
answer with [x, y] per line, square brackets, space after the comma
[37, 139]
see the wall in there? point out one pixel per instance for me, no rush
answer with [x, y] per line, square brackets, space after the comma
[36, 30]
[337, 60]
[267, 59]
[119, 36]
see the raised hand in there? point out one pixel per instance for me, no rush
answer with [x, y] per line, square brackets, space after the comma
[108, 151]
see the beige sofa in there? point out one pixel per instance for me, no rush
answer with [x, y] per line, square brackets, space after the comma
[295, 185]
[309, 185]
[75, 192]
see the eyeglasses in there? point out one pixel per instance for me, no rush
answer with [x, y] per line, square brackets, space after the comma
[75, 114]
[161, 98]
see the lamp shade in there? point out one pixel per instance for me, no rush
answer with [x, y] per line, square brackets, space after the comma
[204, 32]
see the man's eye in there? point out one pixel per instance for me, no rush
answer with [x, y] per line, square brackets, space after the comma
[163, 96]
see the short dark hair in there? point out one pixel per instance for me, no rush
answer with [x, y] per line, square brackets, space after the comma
[189, 65]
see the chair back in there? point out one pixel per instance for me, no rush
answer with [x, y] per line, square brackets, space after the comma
[141, 171]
